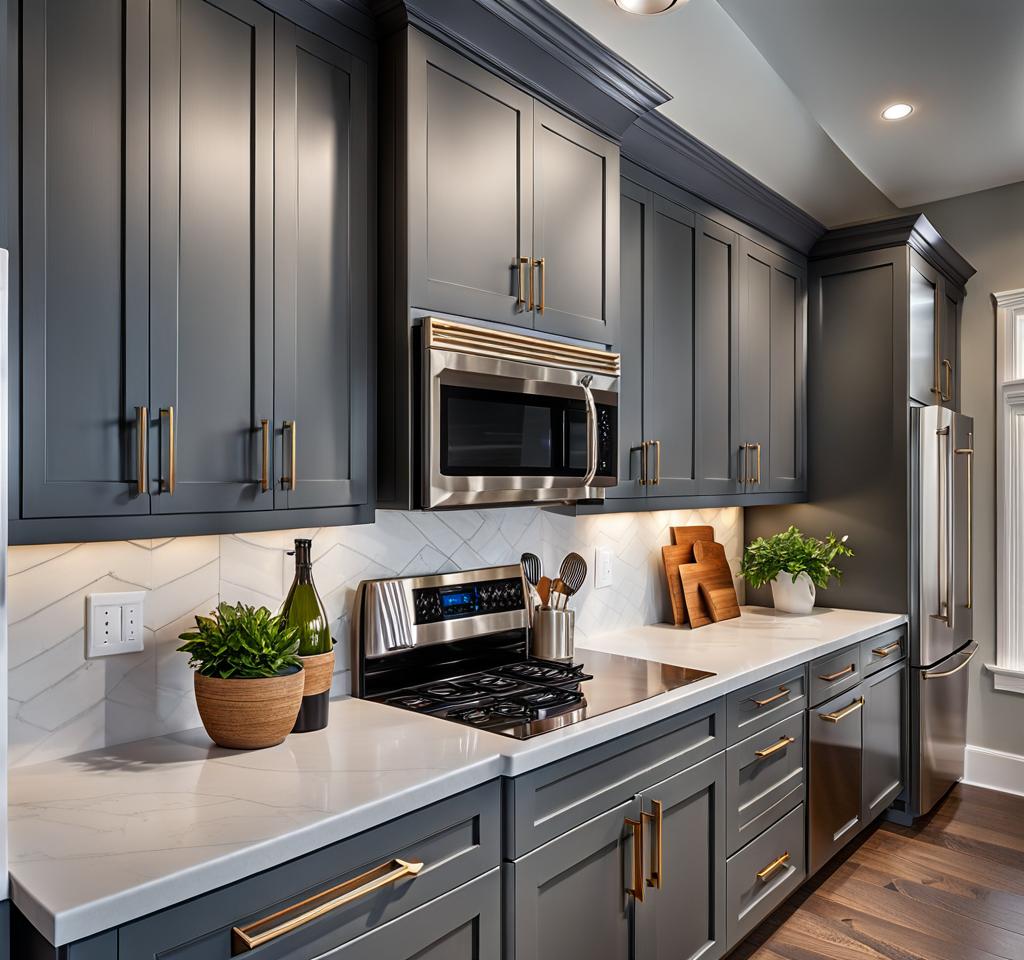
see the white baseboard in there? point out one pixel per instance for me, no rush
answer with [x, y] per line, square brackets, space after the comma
[994, 769]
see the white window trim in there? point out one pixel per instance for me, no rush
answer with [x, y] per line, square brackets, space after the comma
[1008, 670]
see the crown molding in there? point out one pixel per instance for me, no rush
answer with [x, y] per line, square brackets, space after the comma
[538, 48]
[1008, 299]
[913, 229]
[664, 148]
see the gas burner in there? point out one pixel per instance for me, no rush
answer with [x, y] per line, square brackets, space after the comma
[495, 684]
[549, 697]
[474, 716]
[413, 701]
[545, 671]
[448, 691]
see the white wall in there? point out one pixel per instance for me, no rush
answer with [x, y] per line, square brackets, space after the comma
[61, 703]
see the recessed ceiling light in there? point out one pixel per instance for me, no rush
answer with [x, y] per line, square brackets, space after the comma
[648, 6]
[897, 111]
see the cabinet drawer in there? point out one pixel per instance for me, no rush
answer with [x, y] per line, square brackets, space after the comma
[545, 803]
[456, 840]
[835, 673]
[765, 776]
[764, 873]
[758, 706]
[879, 652]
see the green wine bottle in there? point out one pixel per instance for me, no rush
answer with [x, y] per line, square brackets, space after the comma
[303, 609]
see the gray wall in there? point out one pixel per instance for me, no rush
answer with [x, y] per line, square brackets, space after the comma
[988, 229]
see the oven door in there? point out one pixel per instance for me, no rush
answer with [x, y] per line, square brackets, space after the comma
[504, 431]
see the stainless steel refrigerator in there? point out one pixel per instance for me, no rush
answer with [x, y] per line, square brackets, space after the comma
[942, 617]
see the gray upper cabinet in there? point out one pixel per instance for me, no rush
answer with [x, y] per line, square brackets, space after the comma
[948, 345]
[575, 229]
[321, 270]
[772, 370]
[84, 257]
[512, 208]
[212, 321]
[925, 364]
[470, 189]
[720, 459]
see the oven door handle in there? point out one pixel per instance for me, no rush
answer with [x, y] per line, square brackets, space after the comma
[588, 399]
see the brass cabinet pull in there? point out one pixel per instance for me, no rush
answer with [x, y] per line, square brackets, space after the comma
[637, 827]
[524, 268]
[773, 866]
[745, 468]
[783, 692]
[757, 479]
[265, 467]
[643, 461]
[141, 436]
[775, 747]
[886, 650]
[290, 482]
[656, 818]
[540, 262]
[168, 484]
[253, 935]
[968, 452]
[657, 462]
[845, 712]
[947, 392]
[829, 677]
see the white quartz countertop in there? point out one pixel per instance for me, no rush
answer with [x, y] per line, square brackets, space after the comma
[104, 837]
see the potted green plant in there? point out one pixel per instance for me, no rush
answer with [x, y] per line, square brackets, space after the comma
[248, 677]
[796, 567]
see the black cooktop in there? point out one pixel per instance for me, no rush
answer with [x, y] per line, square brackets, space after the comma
[529, 697]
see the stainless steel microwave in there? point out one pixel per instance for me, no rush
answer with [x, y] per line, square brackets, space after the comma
[512, 418]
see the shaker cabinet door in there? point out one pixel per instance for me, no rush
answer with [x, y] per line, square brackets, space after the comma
[212, 252]
[575, 229]
[321, 268]
[470, 187]
[884, 731]
[84, 257]
[950, 305]
[720, 459]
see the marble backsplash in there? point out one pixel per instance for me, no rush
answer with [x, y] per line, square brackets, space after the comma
[60, 703]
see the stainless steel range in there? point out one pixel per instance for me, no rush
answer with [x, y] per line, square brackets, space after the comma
[456, 645]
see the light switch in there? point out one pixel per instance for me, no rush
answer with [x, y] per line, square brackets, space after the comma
[603, 562]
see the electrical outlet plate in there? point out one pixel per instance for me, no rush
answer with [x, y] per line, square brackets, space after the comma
[603, 560]
[113, 623]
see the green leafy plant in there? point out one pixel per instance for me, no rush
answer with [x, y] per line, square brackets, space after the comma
[791, 552]
[241, 642]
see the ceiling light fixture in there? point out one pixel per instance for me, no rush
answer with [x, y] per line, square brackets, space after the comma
[648, 6]
[897, 111]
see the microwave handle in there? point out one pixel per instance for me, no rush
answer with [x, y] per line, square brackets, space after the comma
[588, 398]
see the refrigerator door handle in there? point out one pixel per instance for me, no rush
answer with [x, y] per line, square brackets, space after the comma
[969, 653]
[968, 452]
[945, 553]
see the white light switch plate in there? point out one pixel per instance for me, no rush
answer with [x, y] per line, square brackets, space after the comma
[603, 561]
[113, 623]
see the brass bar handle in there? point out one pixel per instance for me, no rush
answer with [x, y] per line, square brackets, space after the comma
[643, 461]
[886, 650]
[540, 262]
[169, 484]
[656, 818]
[956, 669]
[783, 692]
[291, 481]
[947, 391]
[846, 671]
[637, 827]
[845, 712]
[657, 462]
[764, 874]
[141, 438]
[524, 268]
[259, 932]
[782, 743]
[757, 480]
[265, 457]
[969, 453]
[745, 468]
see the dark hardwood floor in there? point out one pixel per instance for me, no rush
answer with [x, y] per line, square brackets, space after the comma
[949, 888]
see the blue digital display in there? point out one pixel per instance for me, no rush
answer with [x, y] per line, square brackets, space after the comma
[457, 599]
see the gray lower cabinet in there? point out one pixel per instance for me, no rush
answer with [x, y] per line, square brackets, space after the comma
[682, 913]
[570, 897]
[885, 726]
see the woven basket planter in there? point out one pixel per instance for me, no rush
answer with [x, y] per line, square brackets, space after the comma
[249, 714]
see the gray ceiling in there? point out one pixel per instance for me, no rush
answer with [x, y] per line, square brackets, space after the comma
[791, 90]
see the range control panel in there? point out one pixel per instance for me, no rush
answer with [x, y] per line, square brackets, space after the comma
[433, 604]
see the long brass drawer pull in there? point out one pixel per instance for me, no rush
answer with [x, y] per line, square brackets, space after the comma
[637, 890]
[253, 935]
[783, 692]
[643, 462]
[845, 712]
[168, 484]
[846, 671]
[775, 747]
[265, 455]
[141, 436]
[291, 481]
[657, 462]
[764, 874]
[886, 650]
[524, 268]
[656, 818]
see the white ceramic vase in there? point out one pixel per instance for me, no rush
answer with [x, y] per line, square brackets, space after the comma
[793, 597]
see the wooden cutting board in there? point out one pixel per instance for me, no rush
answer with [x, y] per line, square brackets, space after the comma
[681, 551]
[716, 578]
[707, 551]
